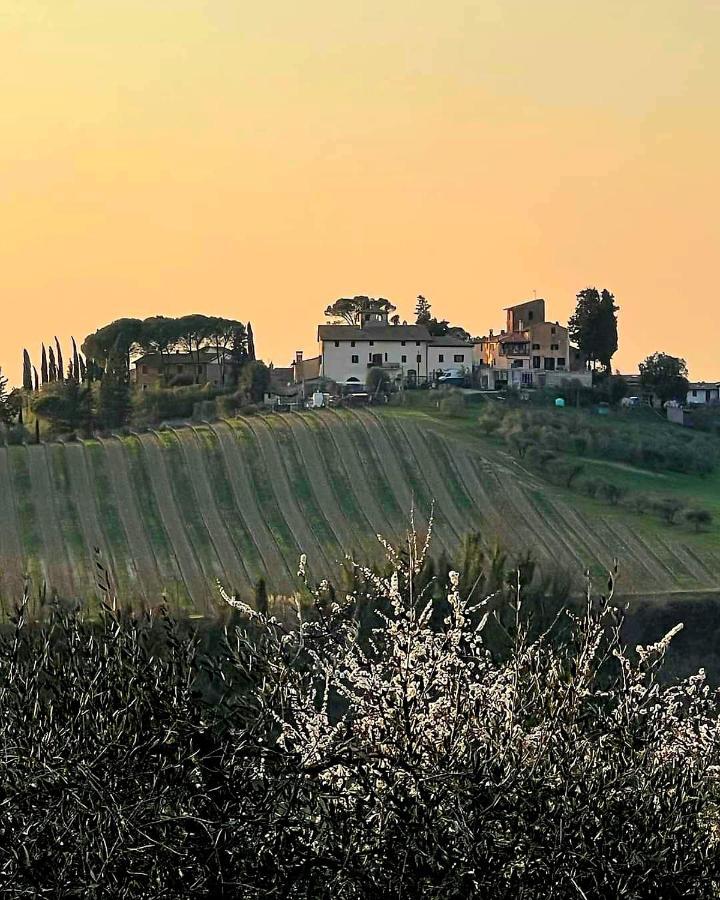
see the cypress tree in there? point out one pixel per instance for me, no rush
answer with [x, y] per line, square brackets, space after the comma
[60, 365]
[44, 366]
[76, 362]
[27, 372]
[114, 397]
[83, 369]
[36, 380]
[250, 343]
[52, 368]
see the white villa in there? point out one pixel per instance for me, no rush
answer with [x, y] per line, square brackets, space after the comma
[703, 393]
[407, 352]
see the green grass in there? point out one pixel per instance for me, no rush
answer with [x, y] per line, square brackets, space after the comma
[145, 497]
[337, 476]
[262, 488]
[223, 496]
[66, 508]
[110, 516]
[28, 526]
[186, 500]
[301, 484]
[22, 487]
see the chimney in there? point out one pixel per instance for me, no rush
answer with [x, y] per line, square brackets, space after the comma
[298, 356]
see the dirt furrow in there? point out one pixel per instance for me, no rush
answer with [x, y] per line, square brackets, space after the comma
[695, 568]
[387, 463]
[236, 577]
[12, 558]
[423, 497]
[345, 476]
[276, 566]
[174, 520]
[349, 461]
[57, 563]
[309, 453]
[584, 535]
[437, 482]
[493, 524]
[519, 534]
[141, 548]
[82, 559]
[551, 519]
[285, 494]
[637, 554]
[390, 452]
[90, 523]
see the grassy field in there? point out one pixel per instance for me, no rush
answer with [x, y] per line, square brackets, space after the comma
[178, 509]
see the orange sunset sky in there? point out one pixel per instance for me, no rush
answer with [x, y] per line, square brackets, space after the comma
[258, 160]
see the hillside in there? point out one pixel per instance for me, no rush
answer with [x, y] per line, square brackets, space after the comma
[175, 509]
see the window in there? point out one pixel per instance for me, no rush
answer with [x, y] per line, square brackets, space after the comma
[459, 357]
[530, 314]
[552, 330]
[403, 358]
[561, 360]
[441, 357]
[536, 346]
[554, 346]
[386, 357]
[369, 357]
[352, 343]
[694, 393]
[337, 343]
[372, 343]
[418, 358]
[144, 370]
[402, 343]
[516, 364]
[526, 377]
[536, 362]
[355, 358]
[417, 343]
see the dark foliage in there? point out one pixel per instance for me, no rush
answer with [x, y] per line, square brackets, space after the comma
[144, 759]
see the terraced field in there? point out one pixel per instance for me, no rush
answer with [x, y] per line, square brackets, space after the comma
[169, 512]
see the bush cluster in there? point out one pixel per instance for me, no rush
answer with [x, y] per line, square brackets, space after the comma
[576, 433]
[315, 760]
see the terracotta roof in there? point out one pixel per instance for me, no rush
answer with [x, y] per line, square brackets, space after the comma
[373, 333]
[281, 375]
[523, 303]
[514, 337]
[449, 341]
[174, 359]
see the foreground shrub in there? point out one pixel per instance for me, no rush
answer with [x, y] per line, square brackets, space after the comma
[317, 761]
[699, 518]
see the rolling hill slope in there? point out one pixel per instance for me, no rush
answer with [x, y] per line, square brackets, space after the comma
[173, 510]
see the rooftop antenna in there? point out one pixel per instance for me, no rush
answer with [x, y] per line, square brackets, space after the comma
[534, 294]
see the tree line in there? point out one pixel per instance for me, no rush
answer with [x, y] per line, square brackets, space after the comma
[94, 389]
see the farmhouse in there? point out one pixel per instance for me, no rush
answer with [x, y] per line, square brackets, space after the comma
[161, 369]
[406, 352]
[529, 352]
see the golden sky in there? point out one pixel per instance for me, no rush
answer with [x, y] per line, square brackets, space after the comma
[258, 160]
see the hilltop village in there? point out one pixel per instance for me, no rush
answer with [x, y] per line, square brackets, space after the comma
[143, 372]
[530, 351]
